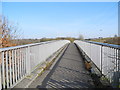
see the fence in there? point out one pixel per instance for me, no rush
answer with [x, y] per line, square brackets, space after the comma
[19, 61]
[105, 56]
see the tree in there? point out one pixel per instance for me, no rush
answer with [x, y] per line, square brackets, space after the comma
[115, 35]
[81, 37]
[0, 32]
[8, 32]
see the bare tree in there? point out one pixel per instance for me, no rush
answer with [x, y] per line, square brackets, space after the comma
[8, 32]
[115, 35]
[0, 31]
[81, 37]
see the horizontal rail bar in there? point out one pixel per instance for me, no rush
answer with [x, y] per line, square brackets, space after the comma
[104, 44]
[22, 46]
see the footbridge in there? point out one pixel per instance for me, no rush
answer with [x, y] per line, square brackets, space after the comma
[60, 64]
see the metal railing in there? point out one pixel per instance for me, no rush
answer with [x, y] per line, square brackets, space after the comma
[19, 61]
[105, 56]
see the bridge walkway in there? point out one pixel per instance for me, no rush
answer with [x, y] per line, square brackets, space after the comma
[68, 72]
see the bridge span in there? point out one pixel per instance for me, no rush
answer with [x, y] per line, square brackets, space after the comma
[60, 64]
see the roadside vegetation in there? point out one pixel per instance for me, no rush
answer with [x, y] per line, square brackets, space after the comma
[29, 41]
[8, 32]
[109, 40]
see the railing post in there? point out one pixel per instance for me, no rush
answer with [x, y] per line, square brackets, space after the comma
[101, 59]
[118, 80]
[0, 78]
[28, 60]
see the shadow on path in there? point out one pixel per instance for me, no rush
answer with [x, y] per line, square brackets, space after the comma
[68, 72]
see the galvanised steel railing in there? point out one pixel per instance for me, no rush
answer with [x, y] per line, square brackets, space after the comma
[105, 56]
[19, 61]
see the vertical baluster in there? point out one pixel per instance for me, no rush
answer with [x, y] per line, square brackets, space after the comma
[116, 58]
[0, 73]
[10, 71]
[3, 69]
[18, 66]
[28, 60]
[20, 61]
[24, 61]
[7, 78]
[101, 59]
[110, 63]
[13, 65]
[24, 58]
[118, 65]
[107, 58]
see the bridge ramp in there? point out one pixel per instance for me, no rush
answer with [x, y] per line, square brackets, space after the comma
[68, 72]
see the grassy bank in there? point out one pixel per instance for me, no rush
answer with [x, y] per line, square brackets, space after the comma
[110, 40]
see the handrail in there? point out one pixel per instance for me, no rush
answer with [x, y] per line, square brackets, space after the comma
[104, 44]
[22, 46]
[105, 56]
[19, 61]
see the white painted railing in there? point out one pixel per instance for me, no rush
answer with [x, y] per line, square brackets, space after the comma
[105, 56]
[19, 61]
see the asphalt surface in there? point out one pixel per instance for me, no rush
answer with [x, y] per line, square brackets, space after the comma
[68, 72]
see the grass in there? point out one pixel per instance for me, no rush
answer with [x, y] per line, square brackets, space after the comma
[109, 40]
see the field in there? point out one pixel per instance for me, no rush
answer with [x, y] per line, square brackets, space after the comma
[110, 40]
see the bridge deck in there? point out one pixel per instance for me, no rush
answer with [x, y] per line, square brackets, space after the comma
[68, 72]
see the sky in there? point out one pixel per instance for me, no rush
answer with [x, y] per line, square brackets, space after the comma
[60, 0]
[63, 19]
